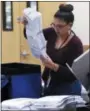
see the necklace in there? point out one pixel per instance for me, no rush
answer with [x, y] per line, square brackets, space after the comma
[57, 47]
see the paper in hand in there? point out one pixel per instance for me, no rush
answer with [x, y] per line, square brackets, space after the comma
[35, 37]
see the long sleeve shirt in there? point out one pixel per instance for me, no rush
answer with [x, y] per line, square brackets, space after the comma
[61, 56]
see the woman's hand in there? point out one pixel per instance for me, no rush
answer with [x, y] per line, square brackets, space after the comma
[49, 63]
[22, 20]
[25, 21]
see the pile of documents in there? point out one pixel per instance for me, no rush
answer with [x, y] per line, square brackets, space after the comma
[55, 103]
[35, 37]
[48, 103]
[17, 104]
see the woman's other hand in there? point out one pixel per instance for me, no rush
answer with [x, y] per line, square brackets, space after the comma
[49, 63]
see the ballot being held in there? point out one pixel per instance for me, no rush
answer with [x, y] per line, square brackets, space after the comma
[35, 37]
[34, 33]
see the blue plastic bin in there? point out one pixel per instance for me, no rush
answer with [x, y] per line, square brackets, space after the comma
[4, 81]
[25, 79]
[4, 88]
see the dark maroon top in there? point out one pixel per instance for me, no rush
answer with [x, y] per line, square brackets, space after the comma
[61, 56]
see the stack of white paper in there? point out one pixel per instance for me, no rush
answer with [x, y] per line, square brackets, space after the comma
[17, 104]
[55, 103]
[34, 32]
[49, 103]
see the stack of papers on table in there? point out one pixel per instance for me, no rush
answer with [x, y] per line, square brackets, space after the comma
[48, 103]
[55, 103]
[17, 104]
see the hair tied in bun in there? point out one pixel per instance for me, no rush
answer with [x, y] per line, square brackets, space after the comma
[66, 8]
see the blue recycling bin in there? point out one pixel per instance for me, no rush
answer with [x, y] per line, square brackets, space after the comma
[4, 88]
[25, 79]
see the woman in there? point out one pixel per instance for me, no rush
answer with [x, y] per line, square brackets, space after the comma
[63, 46]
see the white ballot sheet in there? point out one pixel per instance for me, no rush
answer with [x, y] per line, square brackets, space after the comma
[35, 37]
[80, 68]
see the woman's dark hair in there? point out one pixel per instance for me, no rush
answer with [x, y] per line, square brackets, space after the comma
[65, 13]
